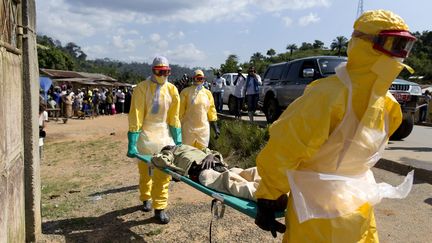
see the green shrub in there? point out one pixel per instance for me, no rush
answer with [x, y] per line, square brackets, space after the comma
[239, 142]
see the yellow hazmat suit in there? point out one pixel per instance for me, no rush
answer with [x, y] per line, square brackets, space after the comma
[197, 109]
[338, 127]
[154, 126]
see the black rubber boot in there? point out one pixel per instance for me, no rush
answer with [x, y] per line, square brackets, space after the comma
[161, 216]
[147, 206]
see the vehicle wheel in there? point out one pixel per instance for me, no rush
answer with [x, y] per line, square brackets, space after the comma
[232, 105]
[273, 110]
[404, 129]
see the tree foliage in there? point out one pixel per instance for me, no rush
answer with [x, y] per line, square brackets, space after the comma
[52, 55]
[230, 65]
[339, 44]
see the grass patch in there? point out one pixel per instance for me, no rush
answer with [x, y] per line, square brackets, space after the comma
[154, 232]
[240, 142]
[53, 209]
[58, 188]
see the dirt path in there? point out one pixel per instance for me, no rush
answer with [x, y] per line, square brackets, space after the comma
[89, 194]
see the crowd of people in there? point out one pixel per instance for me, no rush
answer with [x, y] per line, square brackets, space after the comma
[86, 101]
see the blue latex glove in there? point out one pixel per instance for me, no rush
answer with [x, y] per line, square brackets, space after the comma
[176, 134]
[132, 141]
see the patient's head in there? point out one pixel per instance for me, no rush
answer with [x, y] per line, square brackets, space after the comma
[168, 147]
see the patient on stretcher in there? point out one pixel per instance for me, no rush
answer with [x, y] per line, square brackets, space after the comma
[208, 168]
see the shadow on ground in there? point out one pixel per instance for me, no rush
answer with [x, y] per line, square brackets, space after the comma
[414, 149]
[109, 227]
[116, 190]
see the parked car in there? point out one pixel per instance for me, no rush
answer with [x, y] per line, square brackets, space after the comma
[408, 95]
[285, 82]
[228, 96]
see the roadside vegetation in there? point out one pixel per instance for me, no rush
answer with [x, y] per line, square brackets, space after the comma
[239, 142]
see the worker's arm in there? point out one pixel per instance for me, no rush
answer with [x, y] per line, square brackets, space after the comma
[136, 117]
[173, 115]
[394, 112]
[297, 135]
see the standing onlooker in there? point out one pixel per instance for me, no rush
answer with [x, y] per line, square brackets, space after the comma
[253, 81]
[109, 102]
[96, 102]
[218, 87]
[43, 117]
[424, 107]
[121, 101]
[128, 97]
[239, 92]
[102, 103]
[67, 100]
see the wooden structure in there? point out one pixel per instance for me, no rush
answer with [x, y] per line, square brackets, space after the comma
[20, 218]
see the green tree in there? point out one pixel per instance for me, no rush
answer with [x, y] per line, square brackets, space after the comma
[257, 57]
[75, 51]
[271, 52]
[291, 48]
[318, 44]
[230, 65]
[339, 43]
[305, 46]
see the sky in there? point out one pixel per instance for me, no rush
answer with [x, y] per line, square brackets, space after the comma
[203, 33]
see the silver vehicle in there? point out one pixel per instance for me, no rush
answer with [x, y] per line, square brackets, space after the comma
[408, 95]
[284, 82]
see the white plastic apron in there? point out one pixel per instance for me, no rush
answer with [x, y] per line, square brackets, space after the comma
[195, 124]
[155, 131]
[351, 150]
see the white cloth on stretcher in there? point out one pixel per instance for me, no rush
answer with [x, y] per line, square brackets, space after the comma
[235, 181]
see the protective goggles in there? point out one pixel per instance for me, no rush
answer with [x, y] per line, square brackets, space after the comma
[199, 78]
[395, 43]
[161, 72]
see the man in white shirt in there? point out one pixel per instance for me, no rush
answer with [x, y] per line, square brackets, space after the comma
[217, 89]
[121, 100]
[239, 91]
[43, 117]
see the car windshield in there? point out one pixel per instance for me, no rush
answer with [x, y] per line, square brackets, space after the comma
[328, 65]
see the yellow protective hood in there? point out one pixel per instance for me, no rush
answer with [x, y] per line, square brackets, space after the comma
[362, 58]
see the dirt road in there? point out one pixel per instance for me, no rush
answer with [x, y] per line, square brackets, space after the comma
[89, 194]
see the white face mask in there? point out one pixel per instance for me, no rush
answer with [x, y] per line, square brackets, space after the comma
[160, 79]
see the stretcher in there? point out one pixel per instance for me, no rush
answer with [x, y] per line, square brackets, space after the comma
[242, 205]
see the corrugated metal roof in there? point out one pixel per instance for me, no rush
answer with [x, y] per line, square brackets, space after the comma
[52, 73]
[82, 77]
[97, 76]
[85, 81]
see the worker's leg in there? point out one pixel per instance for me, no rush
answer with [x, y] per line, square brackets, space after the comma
[159, 190]
[145, 182]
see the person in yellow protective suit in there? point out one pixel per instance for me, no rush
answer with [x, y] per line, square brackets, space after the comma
[197, 109]
[154, 123]
[321, 152]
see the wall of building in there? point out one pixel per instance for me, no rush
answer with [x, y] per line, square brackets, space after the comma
[19, 155]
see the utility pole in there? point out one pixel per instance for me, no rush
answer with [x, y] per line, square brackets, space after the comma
[359, 8]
